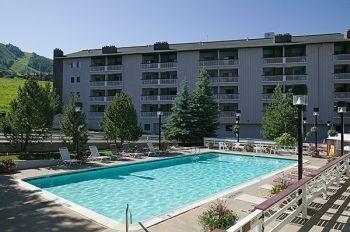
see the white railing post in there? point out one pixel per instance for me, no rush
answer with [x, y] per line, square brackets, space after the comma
[324, 186]
[337, 172]
[304, 201]
[347, 161]
[260, 224]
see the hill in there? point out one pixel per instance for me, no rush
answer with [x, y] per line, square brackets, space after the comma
[9, 90]
[15, 62]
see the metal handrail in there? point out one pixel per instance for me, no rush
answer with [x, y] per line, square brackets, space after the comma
[127, 216]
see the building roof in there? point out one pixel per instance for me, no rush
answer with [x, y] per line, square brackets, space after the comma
[242, 43]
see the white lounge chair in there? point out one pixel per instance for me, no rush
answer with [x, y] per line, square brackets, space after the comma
[152, 150]
[95, 155]
[119, 155]
[65, 157]
[223, 146]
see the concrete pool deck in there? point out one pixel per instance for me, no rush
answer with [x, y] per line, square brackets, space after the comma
[21, 209]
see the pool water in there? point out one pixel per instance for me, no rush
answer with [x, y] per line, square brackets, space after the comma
[154, 188]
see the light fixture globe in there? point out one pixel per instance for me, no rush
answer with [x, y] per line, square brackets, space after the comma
[238, 113]
[300, 100]
[159, 113]
[316, 112]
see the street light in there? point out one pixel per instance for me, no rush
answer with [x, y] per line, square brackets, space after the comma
[238, 116]
[304, 127]
[300, 100]
[159, 114]
[77, 109]
[341, 112]
[316, 113]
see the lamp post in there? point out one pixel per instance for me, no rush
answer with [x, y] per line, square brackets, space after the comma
[328, 125]
[316, 113]
[341, 111]
[238, 116]
[77, 110]
[300, 100]
[304, 127]
[159, 114]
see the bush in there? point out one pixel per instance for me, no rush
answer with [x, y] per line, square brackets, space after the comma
[248, 147]
[218, 217]
[286, 140]
[332, 133]
[281, 184]
[312, 151]
[7, 164]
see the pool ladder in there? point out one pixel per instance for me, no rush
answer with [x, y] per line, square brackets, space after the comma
[128, 215]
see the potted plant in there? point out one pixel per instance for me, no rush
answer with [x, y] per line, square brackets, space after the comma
[248, 147]
[7, 165]
[217, 217]
[210, 145]
[332, 133]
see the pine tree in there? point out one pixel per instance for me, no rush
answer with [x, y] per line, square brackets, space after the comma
[179, 122]
[31, 114]
[280, 116]
[74, 126]
[120, 120]
[204, 110]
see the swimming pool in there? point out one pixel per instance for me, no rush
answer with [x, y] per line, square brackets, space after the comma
[156, 187]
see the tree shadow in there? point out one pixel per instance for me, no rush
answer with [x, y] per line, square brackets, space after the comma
[23, 210]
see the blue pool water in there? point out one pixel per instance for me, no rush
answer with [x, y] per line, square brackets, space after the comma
[153, 188]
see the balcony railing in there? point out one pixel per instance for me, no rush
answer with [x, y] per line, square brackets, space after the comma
[158, 97]
[105, 83]
[96, 114]
[98, 98]
[223, 79]
[110, 98]
[159, 65]
[106, 68]
[342, 76]
[342, 95]
[159, 82]
[267, 96]
[152, 114]
[281, 60]
[295, 77]
[272, 78]
[222, 62]
[227, 114]
[232, 96]
[341, 57]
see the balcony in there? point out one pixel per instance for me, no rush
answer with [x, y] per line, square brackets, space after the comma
[96, 114]
[227, 114]
[108, 68]
[158, 97]
[340, 57]
[152, 114]
[105, 83]
[342, 76]
[97, 98]
[342, 95]
[283, 60]
[223, 62]
[164, 65]
[159, 81]
[267, 96]
[295, 77]
[233, 96]
[272, 78]
[223, 80]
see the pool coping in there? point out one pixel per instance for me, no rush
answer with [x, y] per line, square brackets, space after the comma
[113, 224]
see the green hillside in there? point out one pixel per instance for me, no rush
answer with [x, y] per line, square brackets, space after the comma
[9, 89]
[15, 62]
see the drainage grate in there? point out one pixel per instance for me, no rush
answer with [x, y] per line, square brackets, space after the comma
[315, 205]
[335, 206]
[299, 220]
[339, 226]
[282, 216]
[322, 222]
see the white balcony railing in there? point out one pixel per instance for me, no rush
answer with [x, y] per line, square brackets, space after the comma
[342, 76]
[341, 57]
[149, 114]
[159, 65]
[342, 95]
[281, 60]
[223, 79]
[222, 62]
[167, 97]
[149, 98]
[295, 77]
[227, 114]
[106, 68]
[267, 96]
[159, 82]
[105, 83]
[233, 96]
[158, 97]
[272, 78]
[98, 98]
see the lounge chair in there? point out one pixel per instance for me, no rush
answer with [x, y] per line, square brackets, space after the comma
[95, 155]
[115, 154]
[223, 146]
[152, 151]
[65, 157]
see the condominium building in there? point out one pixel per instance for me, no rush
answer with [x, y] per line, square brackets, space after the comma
[243, 75]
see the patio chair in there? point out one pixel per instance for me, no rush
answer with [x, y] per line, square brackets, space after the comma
[152, 150]
[95, 155]
[223, 146]
[122, 156]
[65, 157]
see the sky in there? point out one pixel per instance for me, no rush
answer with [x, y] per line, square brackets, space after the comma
[72, 25]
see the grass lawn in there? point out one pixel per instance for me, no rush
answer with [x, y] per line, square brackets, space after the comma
[30, 156]
[9, 89]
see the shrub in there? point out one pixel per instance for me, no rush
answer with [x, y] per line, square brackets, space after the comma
[286, 140]
[332, 133]
[281, 184]
[7, 164]
[218, 217]
[312, 151]
[248, 147]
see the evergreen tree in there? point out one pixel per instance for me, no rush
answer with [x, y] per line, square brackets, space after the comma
[31, 114]
[280, 116]
[204, 110]
[120, 120]
[179, 122]
[74, 126]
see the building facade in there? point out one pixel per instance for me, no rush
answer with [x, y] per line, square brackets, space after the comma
[243, 75]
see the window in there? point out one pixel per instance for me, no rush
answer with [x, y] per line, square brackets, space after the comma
[78, 64]
[78, 79]
[147, 127]
[78, 94]
[72, 80]
[71, 64]
[228, 127]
